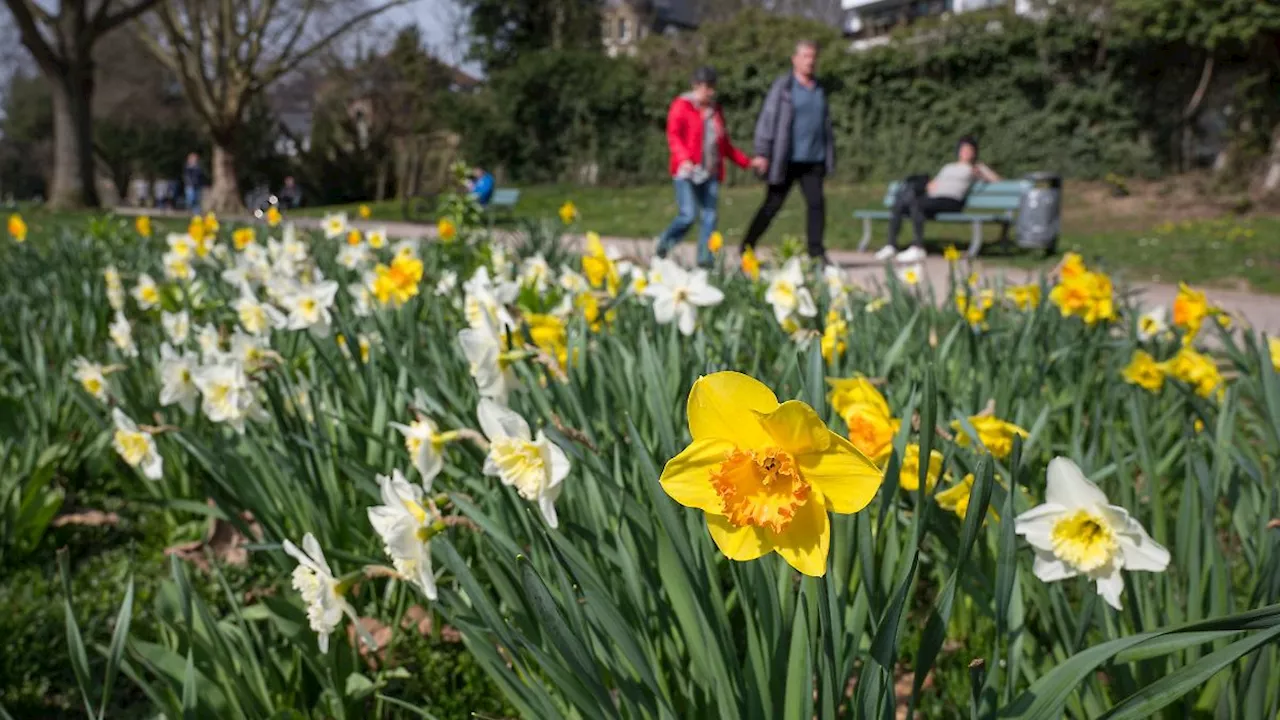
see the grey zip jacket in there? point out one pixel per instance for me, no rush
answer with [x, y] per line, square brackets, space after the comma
[773, 131]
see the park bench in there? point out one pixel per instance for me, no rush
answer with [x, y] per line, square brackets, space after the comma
[503, 201]
[995, 202]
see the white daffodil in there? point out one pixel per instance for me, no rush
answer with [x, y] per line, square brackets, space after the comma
[377, 237]
[534, 466]
[115, 289]
[257, 318]
[361, 299]
[210, 342]
[1077, 531]
[227, 394]
[404, 524]
[137, 448]
[573, 282]
[678, 293]
[177, 267]
[309, 307]
[447, 284]
[177, 326]
[787, 293]
[250, 351]
[121, 333]
[335, 225]
[1152, 323]
[353, 257]
[535, 272]
[181, 244]
[425, 445]
[91, 376]
[146, 293]
[407, 248]
[501, 264]
[483, 347]
[838, 285]
[911, 275]
[322, 593]
[177, 379]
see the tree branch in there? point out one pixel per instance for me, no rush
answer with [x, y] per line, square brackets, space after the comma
[1196, 98]
[28, 15]
[284, 65]
[103, 23]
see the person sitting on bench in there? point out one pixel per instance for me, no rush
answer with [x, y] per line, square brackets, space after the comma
[946, 192]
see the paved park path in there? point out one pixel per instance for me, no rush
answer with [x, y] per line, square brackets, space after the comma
[1261, 311]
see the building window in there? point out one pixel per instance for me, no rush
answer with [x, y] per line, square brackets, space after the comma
[624, 30]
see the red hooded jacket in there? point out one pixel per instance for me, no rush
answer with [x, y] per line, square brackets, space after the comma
[684, 136]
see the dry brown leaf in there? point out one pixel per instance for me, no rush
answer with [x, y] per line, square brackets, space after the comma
[87, 518]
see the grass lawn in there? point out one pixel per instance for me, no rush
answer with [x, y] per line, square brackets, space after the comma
[1163, 232]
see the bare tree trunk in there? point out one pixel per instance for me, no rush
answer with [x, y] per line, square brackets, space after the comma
[224, 195]
[1271, 176]
[73, 170]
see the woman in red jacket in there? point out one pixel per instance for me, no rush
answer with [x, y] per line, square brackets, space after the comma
[699, 145]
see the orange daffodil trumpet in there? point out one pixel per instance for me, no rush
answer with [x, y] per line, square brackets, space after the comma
[766, 473]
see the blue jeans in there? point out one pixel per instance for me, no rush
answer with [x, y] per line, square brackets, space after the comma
[694, 202]
[193, 199]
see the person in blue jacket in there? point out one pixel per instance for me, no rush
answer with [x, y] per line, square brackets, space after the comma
[481, 185]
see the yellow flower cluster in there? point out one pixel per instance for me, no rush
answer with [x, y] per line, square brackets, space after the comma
[1190, 308]
[833, 337]
[750, 264]
[447, 229]
[17, 228]
[549, 334]
[397, 283]
[866, 412]
[143, 226]
[568, 212]
[996, 435]
[1083, 293]
[1024, 297]
[1189, 366]
[242, 238]
[909, 476]
[600, 270]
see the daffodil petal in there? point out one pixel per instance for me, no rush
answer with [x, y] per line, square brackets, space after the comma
[805, 541]
[796, 428]
[723, 406]
[738, 543]
[687, 476]
[845, 477]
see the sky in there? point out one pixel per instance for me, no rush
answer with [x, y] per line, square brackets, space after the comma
[442, 22]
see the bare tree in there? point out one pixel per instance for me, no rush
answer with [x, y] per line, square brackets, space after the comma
[62, 44]
[227, 52]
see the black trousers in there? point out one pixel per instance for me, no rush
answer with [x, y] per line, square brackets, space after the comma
[920, 207]
[809, 175]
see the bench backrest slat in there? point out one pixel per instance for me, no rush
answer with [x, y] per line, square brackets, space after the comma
[1002, 195]
[505, 196]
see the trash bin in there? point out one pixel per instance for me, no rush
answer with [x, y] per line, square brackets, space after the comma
[1040, 213]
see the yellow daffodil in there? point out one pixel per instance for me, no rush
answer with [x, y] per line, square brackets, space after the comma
[447, 230]
[365, 212]
[909, 477]
[548, 333]
[195, 229]
[766, 473]
[1197, 370]
[1144, 371]
[143, 226]
[599, 268]
[568, 212]
[242, 238]
[1274, 344]
[354, 237]
[715, 242]
[996, 434]
[17, 228]
[1189, 309]
[589, 304]
[1024, 297]
[210, 224]
[833, 337]
[1087, 295]
[871, 430]
[847, 392]
[396, 283]
[750, 264]
[956, 497]
[273, 216]
[951, 254]
[1072, 266]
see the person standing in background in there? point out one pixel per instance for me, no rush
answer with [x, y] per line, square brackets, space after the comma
[193, 180]
[699, 144]
[794, 143]
[481, 185]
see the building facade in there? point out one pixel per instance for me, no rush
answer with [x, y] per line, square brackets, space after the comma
[624, 23]
[869, 22]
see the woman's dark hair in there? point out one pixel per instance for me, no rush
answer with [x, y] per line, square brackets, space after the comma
[705, 75]
[969, 140]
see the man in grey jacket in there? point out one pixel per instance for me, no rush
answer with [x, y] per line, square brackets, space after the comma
[794, 143]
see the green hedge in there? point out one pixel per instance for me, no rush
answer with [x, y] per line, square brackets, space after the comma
[1061, 94]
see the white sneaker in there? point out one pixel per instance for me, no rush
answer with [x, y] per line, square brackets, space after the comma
[912, 254]
[885, 253]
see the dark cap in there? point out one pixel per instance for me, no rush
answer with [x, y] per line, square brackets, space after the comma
[705, 75]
